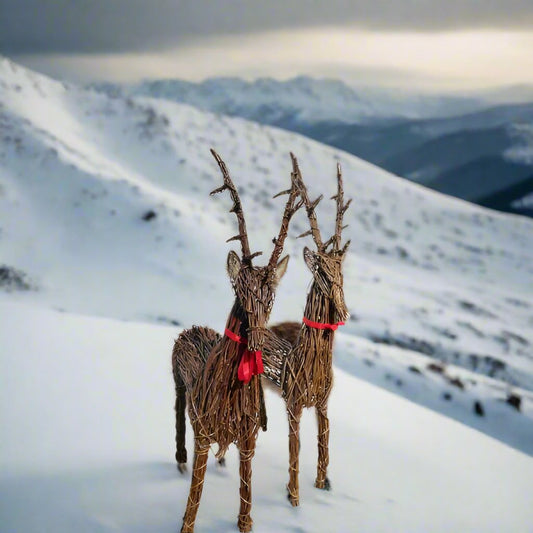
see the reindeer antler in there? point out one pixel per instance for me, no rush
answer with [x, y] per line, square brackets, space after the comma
[242, 236]
[335, 240]
[309, 206]
[290, 208]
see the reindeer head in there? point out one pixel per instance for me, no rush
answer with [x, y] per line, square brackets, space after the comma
[326, 262]
[255, 286]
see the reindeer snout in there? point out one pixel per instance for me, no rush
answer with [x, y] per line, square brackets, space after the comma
[339, 303]
[256, 338]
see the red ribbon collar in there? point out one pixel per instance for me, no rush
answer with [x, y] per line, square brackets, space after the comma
[319, 325]
[251, 363]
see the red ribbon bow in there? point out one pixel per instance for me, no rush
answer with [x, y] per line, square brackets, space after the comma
[251, 363]
[318, 325]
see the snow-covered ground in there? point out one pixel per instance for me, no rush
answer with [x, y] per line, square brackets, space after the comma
[110, 244]
[87, 445]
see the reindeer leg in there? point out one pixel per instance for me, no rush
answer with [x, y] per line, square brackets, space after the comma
[181, 451]
[293, 490]
[246, 450]
[322, 481]
[201, 449]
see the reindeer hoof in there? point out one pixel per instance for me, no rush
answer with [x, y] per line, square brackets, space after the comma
[323, 485]
[245, 524]
[293, 499]
[182, 467]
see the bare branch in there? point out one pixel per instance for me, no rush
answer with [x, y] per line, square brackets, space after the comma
[309, 206]
[341, 209]
[305, 234]
[237, 209]
[288, 191]
[290, 208]
[216, 191]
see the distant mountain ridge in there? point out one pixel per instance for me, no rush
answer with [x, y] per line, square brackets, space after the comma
[303, 99]
[439, 141]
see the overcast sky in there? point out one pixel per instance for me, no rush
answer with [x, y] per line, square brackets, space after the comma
[424, 42]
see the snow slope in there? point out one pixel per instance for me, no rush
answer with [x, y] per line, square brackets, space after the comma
[104, 211]
[87, 415]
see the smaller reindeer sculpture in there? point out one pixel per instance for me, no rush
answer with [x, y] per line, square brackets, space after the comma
[218, 376]
[298, 356]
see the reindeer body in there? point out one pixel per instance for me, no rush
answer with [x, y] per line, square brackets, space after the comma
[287, 331]
[191, 348]
[222, 409]
[308, 375]
[217, 376]
[228, 407]
[299, 357]
[303, 370]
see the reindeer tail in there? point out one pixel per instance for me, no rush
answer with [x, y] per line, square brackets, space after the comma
[190, 352]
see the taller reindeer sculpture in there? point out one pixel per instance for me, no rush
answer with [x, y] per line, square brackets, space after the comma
[217, 377]
[298, 356]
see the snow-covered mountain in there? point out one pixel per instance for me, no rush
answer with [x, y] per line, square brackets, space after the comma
[300, 100]
[104, 211]
[483, 157]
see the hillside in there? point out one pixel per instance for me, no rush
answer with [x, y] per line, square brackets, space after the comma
[104, 210]
[429, 139]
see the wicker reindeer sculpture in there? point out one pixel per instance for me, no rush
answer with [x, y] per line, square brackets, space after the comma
[298, 356]
[217, 376]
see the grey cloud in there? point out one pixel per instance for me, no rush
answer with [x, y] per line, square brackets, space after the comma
[74, 26]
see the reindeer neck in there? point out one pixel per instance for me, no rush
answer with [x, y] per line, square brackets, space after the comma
[236, 323]
[226, 354]
[318, 308]
[308, 373]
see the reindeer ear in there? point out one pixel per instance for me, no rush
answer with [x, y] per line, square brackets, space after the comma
[281, 268]
[345, 249]
[310, 259]
[233, 265]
